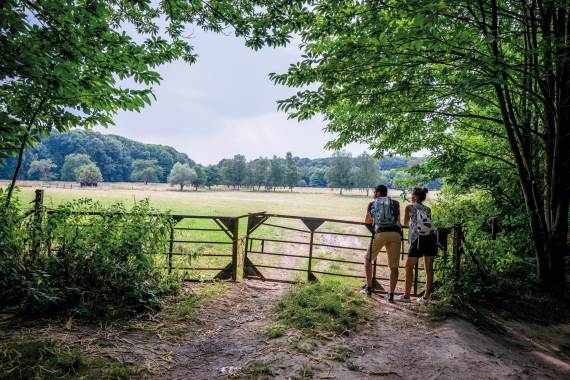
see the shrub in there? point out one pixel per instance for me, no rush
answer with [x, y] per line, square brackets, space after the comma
[507, 263]
[90, 260]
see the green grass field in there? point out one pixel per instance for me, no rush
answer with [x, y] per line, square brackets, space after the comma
[318, 203]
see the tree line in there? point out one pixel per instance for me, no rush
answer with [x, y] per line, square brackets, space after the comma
[62, 156]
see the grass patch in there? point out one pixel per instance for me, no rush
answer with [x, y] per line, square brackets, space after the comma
[275, 331]
[188, 302]
[305, 372]
[323, 308]
[341, 354]
[36, 359]
[259, 372]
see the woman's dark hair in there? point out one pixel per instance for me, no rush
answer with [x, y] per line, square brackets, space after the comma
[421, 193]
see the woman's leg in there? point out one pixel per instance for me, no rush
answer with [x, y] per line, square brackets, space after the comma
[410, 264]
[428, 266]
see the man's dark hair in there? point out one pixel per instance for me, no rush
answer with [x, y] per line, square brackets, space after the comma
[382, 190]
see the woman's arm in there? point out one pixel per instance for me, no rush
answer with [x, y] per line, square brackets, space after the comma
[407, 213]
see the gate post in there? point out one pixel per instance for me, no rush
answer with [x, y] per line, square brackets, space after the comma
[310, 276]
[38, 215]
[457, 232]
[235, 240]
[170, 247]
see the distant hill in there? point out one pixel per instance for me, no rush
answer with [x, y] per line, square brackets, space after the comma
[112, 154]
[386, 163]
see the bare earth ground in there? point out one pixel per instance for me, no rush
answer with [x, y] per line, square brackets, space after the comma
[225, 339]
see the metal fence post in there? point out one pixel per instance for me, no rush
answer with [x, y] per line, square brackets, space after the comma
[309, 274]
[235, 234]
[171, 247]
[457, 232]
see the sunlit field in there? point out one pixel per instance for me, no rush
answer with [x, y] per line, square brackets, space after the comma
[302, 201]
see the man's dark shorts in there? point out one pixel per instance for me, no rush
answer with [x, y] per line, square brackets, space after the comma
[427, 246]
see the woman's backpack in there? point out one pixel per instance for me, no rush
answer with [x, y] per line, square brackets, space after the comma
[424, 224]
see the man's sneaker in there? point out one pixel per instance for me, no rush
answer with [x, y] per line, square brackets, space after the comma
[366, 290]
[423, 301]
[389, 297]
[402, 298]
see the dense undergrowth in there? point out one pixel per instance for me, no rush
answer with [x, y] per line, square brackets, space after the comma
[499, 273]
[82, 259]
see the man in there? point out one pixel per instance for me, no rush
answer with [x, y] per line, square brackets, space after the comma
[384, 215]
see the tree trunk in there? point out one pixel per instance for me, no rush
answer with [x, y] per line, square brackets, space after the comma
[341, 191]
[21, 150]
[181, 187]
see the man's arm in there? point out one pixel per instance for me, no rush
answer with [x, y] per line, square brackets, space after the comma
[368, 218]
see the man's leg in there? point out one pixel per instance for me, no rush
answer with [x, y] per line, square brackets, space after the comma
[371, 255]
[393, 251]
[368, 269]
[394, 273]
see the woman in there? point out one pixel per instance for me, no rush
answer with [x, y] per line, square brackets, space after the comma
[422, 240]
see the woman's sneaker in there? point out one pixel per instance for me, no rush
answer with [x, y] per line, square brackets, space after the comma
[402, 298]
[366, 290]
[423, 301]
[389, 297]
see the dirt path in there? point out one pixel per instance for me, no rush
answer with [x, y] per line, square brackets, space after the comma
[225, 339]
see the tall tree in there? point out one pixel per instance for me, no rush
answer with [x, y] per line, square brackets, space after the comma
[145, 171]
[200, 178]
[258, 172]
[235, 171]
[88, 175]
[413, 74]
[318, 178]
[291, 172]
[71, 163]
[213, 176]
[338, 175]
[42, 169]
[276, 173]
[181, 175]
[366, 173]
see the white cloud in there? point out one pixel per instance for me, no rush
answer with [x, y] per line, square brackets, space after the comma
[224, 105]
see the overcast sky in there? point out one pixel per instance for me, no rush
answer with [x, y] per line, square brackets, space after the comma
[225, 104]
